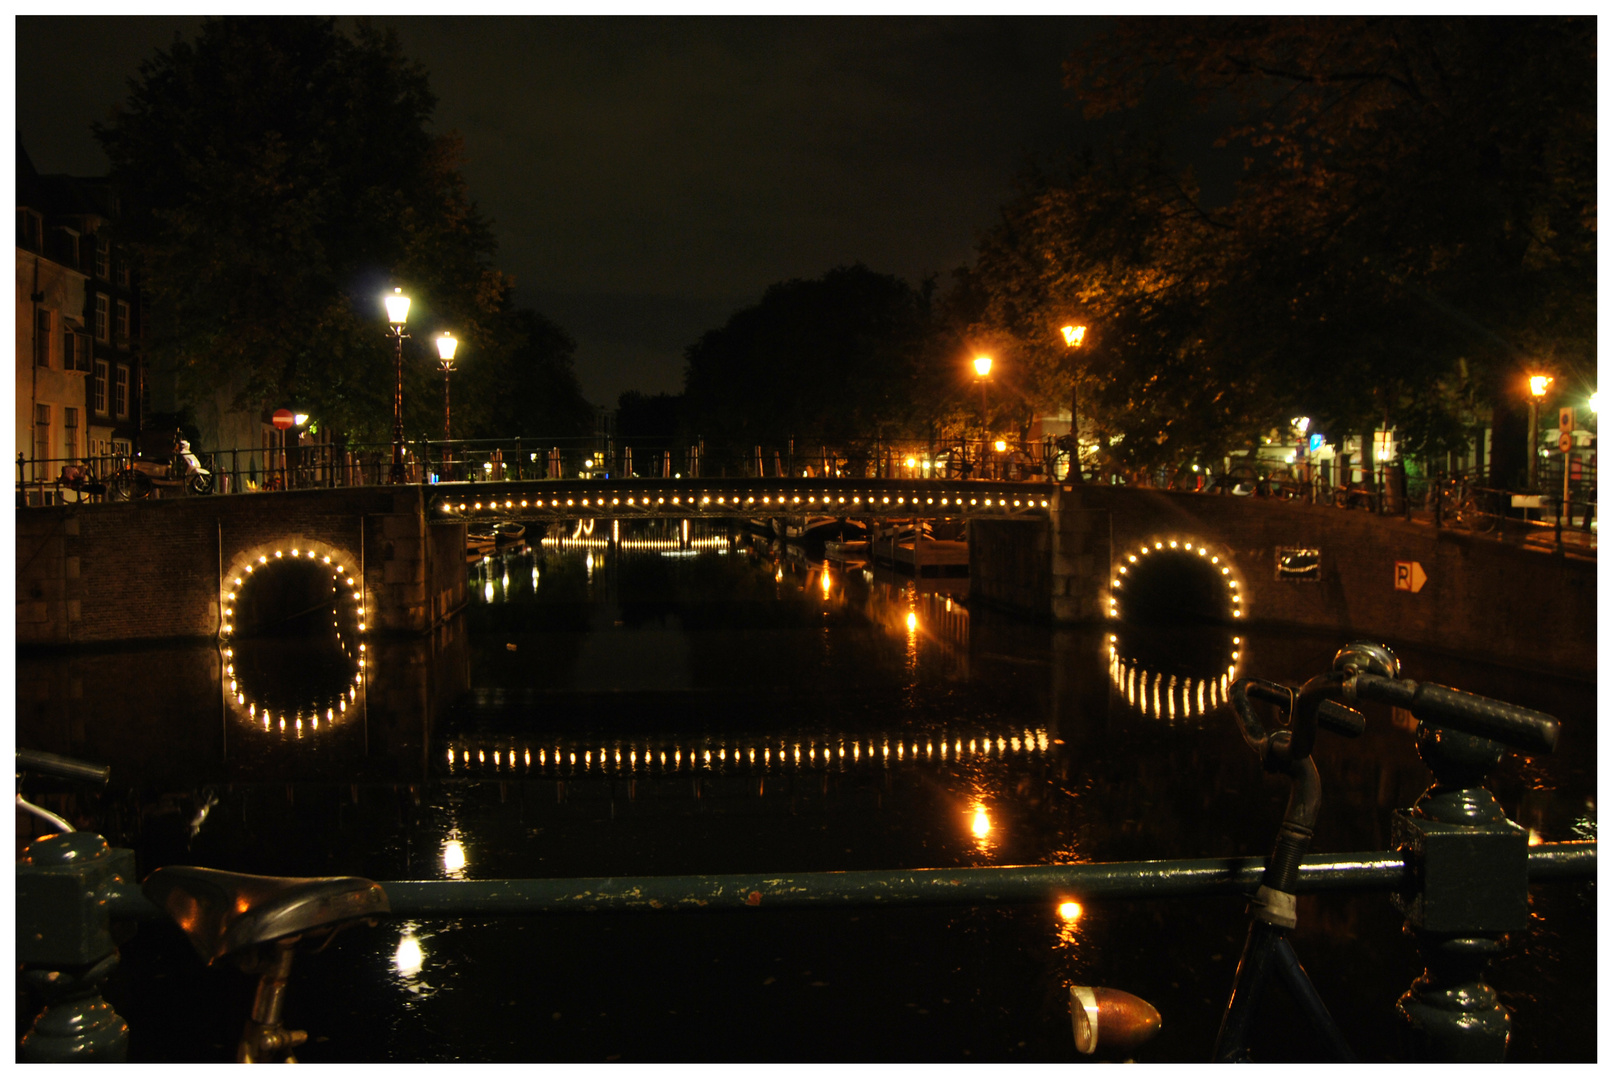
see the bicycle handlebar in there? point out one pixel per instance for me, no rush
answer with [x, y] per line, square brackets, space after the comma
[38, 761]
[1513, 725]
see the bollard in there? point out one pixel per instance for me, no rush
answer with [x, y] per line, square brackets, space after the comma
[65, 887]
[1471, 867]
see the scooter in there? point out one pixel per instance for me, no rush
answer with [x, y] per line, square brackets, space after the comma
[141, 478]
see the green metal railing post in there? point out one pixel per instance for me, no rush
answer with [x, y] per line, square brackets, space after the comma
[65, 885]
[1471, 872]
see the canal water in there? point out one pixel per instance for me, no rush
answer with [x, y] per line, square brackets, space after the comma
[698, 707]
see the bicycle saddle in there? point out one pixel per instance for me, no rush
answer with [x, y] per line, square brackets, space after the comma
[224, 912]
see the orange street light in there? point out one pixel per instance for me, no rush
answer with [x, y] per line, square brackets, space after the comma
[1073, 335]
[1537, 390]
[983, 366]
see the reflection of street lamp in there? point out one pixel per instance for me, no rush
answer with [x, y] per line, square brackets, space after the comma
[1537, 390]
[397, 314]
[445, 351]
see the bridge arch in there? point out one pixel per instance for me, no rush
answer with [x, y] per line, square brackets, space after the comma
[329, 690]
[1174, 580]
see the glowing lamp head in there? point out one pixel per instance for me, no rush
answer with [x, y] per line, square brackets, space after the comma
[300, 419]
[446, 344]
[1592, 403]
[1073, 335]
[397, 308]
[1000, 445]
[1538, 384]
[982, 366]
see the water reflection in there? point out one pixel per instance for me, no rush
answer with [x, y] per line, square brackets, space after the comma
[495, 755]
[410, 957]
[1170, 676]
[453, 858]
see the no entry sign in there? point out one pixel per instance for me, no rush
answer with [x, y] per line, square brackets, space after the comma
[283, 419]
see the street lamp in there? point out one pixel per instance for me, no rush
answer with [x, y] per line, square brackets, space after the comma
[1073, 336]
[397, 314]
[1537, 390]
[445, 352]
[982, 371]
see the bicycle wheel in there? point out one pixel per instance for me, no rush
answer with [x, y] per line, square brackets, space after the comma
[127, 485]
[1480, 514]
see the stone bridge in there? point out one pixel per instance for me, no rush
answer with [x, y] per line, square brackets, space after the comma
[1067, 553]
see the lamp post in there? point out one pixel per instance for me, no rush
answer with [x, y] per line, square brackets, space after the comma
[982, 372]
[397, 314]
[1073, 336]
[1537, 390]
[445, 353]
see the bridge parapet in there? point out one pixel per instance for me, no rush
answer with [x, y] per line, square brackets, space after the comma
[744, 497]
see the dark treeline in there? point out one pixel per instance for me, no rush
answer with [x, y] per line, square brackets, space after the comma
[277, 178]
[1412, 233]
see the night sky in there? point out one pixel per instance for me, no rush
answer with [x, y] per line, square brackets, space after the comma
[648, 176]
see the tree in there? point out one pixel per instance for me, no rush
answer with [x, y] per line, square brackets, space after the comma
[827, 360]
[1416, 219]
[525, 385]
[276, 178]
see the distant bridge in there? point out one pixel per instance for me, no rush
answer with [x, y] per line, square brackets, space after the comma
[737, 497]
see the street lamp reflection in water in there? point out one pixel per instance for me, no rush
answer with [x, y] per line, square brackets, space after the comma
[453, 859]
[980, 827]
[410, 957]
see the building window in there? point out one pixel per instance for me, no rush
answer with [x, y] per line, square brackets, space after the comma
[103, 257]
[42, 330]
[99, 401]
[70, 433]
[69, 355]
[102, 306]
[28, 228]
[81, 349]
[41, 429]
[123, 273]
[122, 325]
[120, 393]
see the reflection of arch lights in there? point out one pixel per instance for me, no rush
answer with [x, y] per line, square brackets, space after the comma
[256, 560]
[1129, 563]
[1170, 697]
[838, 753]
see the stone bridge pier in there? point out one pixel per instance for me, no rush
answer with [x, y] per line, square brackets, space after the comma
[166, 569]
[1287, 564]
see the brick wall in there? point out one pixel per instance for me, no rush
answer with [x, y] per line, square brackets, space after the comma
[151, 570]
[1482, 599]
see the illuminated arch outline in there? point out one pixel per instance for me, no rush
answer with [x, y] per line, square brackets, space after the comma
[1127, 561]
[1151, 694]
[261, 557]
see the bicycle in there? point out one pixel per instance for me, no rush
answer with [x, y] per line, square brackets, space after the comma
[1477, 727]
[251, 920]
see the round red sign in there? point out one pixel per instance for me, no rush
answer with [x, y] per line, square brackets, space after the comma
[283, 419]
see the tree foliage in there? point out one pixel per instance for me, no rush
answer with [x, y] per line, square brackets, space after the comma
[1414, 224]
[277, 177]
[524, 384]
[826, 360]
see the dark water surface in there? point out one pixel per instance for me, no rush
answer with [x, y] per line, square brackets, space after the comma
[712, 712]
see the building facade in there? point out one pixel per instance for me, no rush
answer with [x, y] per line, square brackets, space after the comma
[80, 367]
